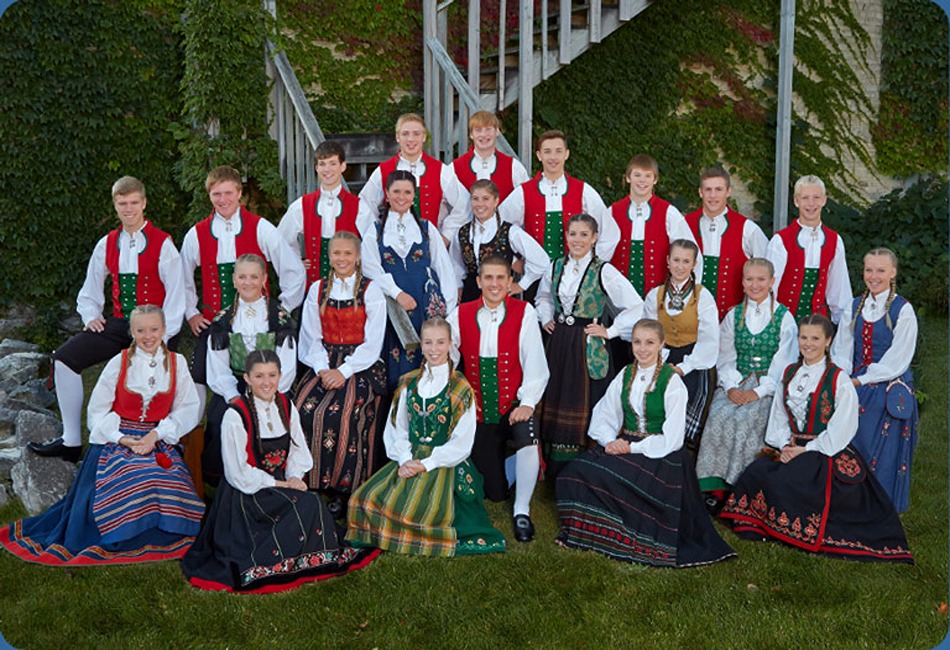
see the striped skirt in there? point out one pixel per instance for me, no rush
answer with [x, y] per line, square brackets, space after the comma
[697, 388]
[435, 513]
[637, 509]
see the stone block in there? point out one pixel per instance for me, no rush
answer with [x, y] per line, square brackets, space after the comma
[37, 481]
[24, 366]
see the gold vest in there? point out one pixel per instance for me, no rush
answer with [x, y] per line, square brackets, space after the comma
[683, 328]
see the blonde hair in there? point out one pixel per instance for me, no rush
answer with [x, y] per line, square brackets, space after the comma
[809, 180]
[656, 327]
[481, 119]
[432, 323]
[146, 310]
[768, 266]
[221, 174]
[128, 185]
[410, 117]
[344, 236]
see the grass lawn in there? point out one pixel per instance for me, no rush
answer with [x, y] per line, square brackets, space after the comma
[534, 596]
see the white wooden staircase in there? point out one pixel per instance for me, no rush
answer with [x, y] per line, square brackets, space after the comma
[559, 31]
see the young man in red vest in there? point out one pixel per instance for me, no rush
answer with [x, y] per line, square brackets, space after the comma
[811, 272]
[312, 219]
[543, 204]
[483, 161]
[213, 244]
[726, 238]
[144, 267]
[441, 199]
[647, 225]
[499, 341]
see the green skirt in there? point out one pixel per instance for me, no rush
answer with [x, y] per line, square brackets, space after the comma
[437, 513]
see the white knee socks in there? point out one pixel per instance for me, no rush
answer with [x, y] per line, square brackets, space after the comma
[69, 395]
[527, 466]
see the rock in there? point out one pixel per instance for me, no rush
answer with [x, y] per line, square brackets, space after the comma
[39, 482]
[4, 497]
[7, 423]
[19, 405]
[24, 366]
[71, 324]
[33, 392]
[9, 346]
[9, 458]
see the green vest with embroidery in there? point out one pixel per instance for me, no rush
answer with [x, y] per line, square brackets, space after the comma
[655, 406]
[590, 302]
[754, 352]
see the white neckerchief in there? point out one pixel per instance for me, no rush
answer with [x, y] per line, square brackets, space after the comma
[800, 388]
[757, 316]
[873, 309]
[433, 380]
[268, 412]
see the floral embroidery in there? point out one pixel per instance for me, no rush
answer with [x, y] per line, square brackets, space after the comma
[847, 465]
[389, 258]
[274, 459]
[826, 407]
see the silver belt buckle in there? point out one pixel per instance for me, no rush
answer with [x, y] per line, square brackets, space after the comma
[560, 318]
[569, 320]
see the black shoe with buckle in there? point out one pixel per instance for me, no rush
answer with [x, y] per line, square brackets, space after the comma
[336, 507]
[55, 447]
[524, 529]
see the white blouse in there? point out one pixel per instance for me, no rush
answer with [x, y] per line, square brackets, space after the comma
[616, 285]
[242, 476]
[536, 260]
[706, 349]
[896, 359]
[454, 451]
[842, 425]
[312, 352]
[400, 233]
[534, 365]
[146, 376]
[250, 320]
[607, 418]
[757, 317]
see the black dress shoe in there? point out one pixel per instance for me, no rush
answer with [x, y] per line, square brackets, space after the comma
[55, 447]
[336, 507]
[524, 529]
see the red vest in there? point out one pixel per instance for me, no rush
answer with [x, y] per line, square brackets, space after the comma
[149, 289]
[343, 325]
[535, 206]
[789, 291]
[313, 227]
[244, 243]
[656, 241]
[501, 177]
[732, 257]
[430, 185]
[509, 363]
[128, 405]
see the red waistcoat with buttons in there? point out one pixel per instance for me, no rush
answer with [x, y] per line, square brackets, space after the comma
[149, 289]
[732, 257]
[535, 206]
[244, 243]
[430, 185]
[509, 362]
[501, 177]
[656, 241]
[128, 405]
[790, 290]
[313, 227]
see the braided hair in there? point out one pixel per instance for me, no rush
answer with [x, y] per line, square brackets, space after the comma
[345, 236]
[252, 359]
[892, 289]
[143, 310]
[656, 327]
[430, 323]
[827, 328]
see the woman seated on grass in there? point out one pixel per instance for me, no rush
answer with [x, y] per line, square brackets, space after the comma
[428, 500]
[265, 532]
[253, 322]
[635, 497]
[812, 489]
[758, 339]
[133, 499]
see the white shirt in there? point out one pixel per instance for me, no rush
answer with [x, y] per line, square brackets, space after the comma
[536, 260]
[842, 425]
[676, 226]
[483, 168]
[400, 233]
[92, 299]
[706, 349]
[329, 207]
[756, 318]
[512, 209]
[607, 419]
[455, 209]
[838, 290]
[454, 451]
[711, 230]
[290, 270]
[617, 287]
[312, 352]
[103, 422]
[534, 365]
[242, 476]
[221, 379]
[896, 359]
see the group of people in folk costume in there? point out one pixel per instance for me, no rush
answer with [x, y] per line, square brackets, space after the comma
[664, 369]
